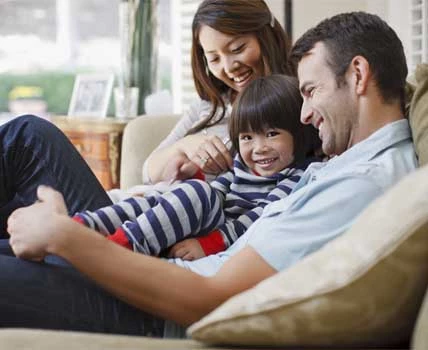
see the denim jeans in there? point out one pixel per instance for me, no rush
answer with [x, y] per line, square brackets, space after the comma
[35, 152]
[56, 296]
[52, 294]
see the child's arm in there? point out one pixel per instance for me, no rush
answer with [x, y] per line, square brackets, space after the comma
[221, 238]
[233, 229]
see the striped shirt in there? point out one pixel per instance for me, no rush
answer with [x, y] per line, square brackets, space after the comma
[217, 213]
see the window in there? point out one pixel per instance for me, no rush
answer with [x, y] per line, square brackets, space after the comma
[419, 38]
[45, 43]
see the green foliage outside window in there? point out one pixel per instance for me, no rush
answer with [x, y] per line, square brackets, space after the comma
[56, 87]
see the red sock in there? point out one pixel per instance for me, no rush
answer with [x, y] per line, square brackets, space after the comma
[120, 238]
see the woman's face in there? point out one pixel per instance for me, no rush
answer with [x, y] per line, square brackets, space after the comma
[234, 59]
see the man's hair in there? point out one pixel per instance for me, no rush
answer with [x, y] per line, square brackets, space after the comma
[273, 102]
[358, 33]
[236, 17]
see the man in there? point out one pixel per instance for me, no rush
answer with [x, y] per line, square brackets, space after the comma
[352, 73]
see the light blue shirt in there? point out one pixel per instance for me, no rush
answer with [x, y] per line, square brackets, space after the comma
[325, 202]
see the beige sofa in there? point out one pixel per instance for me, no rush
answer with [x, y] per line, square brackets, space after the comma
[364, 289]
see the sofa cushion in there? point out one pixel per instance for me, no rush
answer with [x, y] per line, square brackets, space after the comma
[418, 113]
[26, 339]
[362, 289]
[140, 137]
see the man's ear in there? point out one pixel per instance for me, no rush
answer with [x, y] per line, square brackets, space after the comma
[360, 72]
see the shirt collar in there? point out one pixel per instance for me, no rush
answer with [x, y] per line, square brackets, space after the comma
[367, 149]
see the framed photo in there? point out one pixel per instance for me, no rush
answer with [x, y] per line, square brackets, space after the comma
[91, 95]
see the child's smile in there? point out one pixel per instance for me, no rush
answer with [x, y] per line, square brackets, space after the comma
[267, 152]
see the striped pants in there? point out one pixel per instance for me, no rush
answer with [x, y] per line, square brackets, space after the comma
[155, 223]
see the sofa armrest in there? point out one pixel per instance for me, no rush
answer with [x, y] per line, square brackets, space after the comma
[140, 138]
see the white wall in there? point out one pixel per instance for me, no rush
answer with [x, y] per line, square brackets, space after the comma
[277, 8]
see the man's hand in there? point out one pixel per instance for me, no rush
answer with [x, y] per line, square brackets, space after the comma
[189, 249]
[32, 228]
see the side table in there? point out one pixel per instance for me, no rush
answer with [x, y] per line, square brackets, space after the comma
[99, 142]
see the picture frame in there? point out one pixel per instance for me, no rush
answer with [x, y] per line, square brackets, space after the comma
[91, 95]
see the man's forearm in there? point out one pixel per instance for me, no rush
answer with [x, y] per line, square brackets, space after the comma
[148, 283]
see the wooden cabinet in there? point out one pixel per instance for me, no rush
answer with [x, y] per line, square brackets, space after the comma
[99, 142]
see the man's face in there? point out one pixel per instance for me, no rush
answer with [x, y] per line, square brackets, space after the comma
[329, 108]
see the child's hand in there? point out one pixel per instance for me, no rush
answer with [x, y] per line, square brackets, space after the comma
[189, 249]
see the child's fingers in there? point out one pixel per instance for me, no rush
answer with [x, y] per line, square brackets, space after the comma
[176, 251]
[188, 256]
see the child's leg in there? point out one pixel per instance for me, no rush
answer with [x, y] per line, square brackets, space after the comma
[108, 219]
[192, 208]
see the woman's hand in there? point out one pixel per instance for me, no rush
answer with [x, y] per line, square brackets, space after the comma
[32, 228]
[209, 153]
[180, 167]
[189, 249]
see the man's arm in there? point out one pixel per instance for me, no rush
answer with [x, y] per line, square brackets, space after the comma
[151, 284]
[156, 286]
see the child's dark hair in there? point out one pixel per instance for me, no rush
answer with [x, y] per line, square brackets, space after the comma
[273, 102]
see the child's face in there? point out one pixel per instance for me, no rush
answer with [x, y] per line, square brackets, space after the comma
[268, 152]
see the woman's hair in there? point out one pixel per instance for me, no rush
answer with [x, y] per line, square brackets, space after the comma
[236, 17]
[273, 102]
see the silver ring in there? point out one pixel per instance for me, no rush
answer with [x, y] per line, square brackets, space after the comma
[204, 160]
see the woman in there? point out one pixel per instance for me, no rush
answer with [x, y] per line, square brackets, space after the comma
[233, 42]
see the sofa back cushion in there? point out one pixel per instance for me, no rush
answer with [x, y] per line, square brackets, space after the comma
[140, 137]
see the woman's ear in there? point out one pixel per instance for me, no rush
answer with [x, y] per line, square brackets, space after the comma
[360, 70]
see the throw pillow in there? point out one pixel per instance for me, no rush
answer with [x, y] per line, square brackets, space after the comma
[362, 289]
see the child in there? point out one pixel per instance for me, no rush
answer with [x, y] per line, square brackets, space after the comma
[271, 146]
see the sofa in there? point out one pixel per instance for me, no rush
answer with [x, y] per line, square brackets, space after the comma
[365, 289]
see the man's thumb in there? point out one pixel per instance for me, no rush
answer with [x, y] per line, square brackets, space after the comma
[45, 193]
